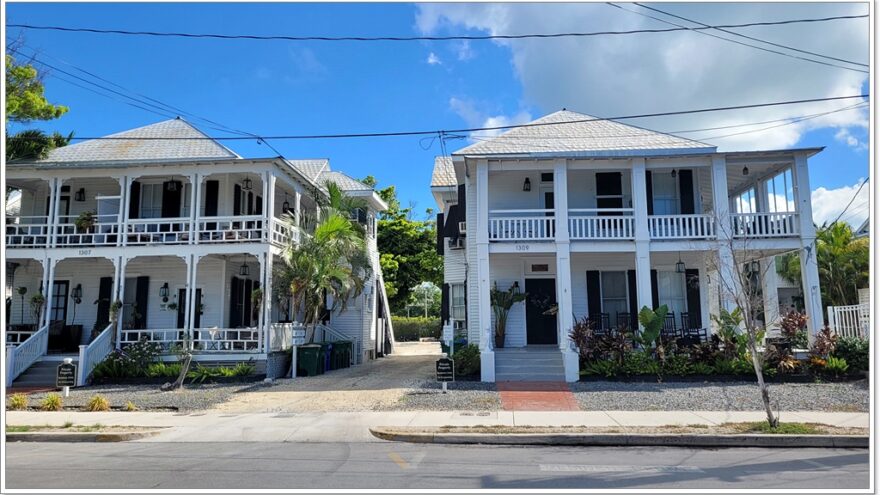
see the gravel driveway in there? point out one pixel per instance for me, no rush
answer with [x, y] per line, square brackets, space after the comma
[717, 396]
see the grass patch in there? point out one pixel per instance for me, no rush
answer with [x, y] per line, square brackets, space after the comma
[782, 429]
[18, 428]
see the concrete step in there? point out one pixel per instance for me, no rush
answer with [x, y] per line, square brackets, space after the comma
[529, 377]
[529, 364]
[41, 373]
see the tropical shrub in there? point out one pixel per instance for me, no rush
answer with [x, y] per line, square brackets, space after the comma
[700, 368]
[836, 366]
[607, 369]
[729, 337]
[162, 369]
[142, 353]
[652, 326]
[412, 329]
[855, 351]
[115, 366]
[640, 363]
[467, 360]
[582, 336]
[52, 402]
[97, 403]
[677, 365]
[17, 402]
[794, 328]
[823, 343]
[129, 406]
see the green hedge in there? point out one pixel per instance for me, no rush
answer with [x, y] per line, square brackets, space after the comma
[412, 329]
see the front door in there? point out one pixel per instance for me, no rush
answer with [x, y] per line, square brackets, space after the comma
[549, 204]
[59, 301]
[181, 308]
[541, 311]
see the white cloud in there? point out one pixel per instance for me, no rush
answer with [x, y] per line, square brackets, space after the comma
[475, 117]
[845, 136]
[305, 67]
[828, 203]
[645, 73]
[464, 51]
[433, 59]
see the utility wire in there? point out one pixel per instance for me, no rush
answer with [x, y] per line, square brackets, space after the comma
[852, 199]
[416, 38]
[700, 31]
[494, 128]
[778, 45]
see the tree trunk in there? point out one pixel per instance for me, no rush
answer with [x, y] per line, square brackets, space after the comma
[184, 370]
[759, 373]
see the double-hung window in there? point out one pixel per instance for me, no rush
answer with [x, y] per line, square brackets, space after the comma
[671, 290]
[458, 303]
[151, 200]
[666, 200]
[614, 293]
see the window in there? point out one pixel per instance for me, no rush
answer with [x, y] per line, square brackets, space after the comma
[614, 293]
[458, 302]
[151, 200]
[745, 202]
[666, 201]
[780, 192]
[670, 288]
[547, 177]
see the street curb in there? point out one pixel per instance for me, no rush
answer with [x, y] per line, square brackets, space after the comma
[625, 439]
[67, 437]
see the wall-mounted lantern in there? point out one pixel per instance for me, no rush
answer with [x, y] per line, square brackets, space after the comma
[674, 173]
[80, 195]
[163, 292]
[285, 206]
[745, 170]
[244, 270]
[77, 294]
[247, 184]
[679, 267]
[527, 185]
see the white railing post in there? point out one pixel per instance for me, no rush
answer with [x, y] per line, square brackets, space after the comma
[10, 365]
[81, 369]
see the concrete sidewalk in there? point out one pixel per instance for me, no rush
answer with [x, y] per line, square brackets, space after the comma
[354, 427]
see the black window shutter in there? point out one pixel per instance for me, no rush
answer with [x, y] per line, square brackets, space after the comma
[141, 298]
[248, 287]
[197, 317]
[594, 295]
[250, 204]
[235, 303]
[171, 195]
[686, 186]
[134, 200]
[236, 200]
[362, 216]
[105, 293]
[462, 203]
[255, 310]
[440, 238]
[258, 209]
[465, 303]
[444, 304]
[655, 294]
[212, 194]
[649, 192]
[633, 295]
[450, 229]
[694, 304]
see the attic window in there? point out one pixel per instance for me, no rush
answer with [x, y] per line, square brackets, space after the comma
[540, 268]
[547, 177]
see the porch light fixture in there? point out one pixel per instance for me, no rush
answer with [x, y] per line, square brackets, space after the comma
[745, 170]
[80, 195]
[754, 266]
[77, 293]
[527, 185]
[679, 267]
[674, 173]
[246, 184]
[163, 292]
[244, 270]
[285, 206]
[171, 186]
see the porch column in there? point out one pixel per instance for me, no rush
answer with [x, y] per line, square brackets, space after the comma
[560, 199]
[487, 357]
[269, 206]
[186, 303]
[727, 280]
[50, 230]
[644, 296]
[261, 313]
[50, 283]
[296, 208]
[120, 296]
[770, 292]
[807, 254]
[54, 210]
[267, 301]
[126, 207]
[640, 199]
[193, 301]
[120, 214]
[195, 193]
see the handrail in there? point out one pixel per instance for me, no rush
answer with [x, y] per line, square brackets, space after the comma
[531, 210]
[93, 353]
[688, 226]
[601, 210]
[20, 358]
[765, 224]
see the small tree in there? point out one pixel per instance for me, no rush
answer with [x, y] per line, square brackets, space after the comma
[38, 301]
[652, 327]
[501, 302]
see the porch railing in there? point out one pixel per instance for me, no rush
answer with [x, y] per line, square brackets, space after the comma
[27, 231]
[595, 223]
[226, 339]
[522, 225]
[21, 357]
[281, 335]
[765, 224]
[681, 226]
[103, 233]
[157, 231]
[231, 229]
[282, 232]
[92, 354]
[850, 321]
[16, 336]
[167, 338]
[324, 333]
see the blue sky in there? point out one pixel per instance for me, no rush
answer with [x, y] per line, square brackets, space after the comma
[311, 87]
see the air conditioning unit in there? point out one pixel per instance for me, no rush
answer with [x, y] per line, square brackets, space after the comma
[462, 228]
[456, 243]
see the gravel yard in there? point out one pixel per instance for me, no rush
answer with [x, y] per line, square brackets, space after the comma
[462, 396]
[717, 396]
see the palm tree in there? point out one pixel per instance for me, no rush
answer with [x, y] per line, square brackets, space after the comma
[33, 144]
[330, 260]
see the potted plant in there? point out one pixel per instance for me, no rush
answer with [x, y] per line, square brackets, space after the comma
[115, 306]
[502, 301]
[85, 221]
[37, 303]
[172, 306]
[256, 301]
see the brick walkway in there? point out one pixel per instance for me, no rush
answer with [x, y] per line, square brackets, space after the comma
[536, 396]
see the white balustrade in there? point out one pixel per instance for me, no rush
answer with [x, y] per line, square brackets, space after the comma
[16, 337]
[522, 225]
[92, 354]
[21, 357]
[231, 229]
[103, 231]
[157, 231]
[850, 321]
[765, 224]
[681, 226]
[27, 231]
[596, 224]
[226, 339]
[283, 232]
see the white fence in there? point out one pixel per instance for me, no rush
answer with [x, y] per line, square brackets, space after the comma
[20, 358]
[281, 335]
[681, 226]
[522, 225]
[92, 354]
[765, 224]
[850, 321]
[231, 229]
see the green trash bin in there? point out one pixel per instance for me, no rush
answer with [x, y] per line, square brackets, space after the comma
[336, 355]
[324, 364]
[344, 351]
[307, 360]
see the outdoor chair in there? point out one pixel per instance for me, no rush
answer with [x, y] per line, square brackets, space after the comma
[625, 320]
[600, 321]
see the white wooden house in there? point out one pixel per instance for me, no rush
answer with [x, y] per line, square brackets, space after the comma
[184, 231]
[597, 219]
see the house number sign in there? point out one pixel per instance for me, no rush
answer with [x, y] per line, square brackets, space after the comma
[522, 247]
[85, 252]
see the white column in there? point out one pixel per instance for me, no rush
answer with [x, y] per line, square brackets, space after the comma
[487, 357]
[269, 206]
[191, 295]
[640, 199]
[50, 283]
[725, 257]
[267, 300]
[126, 207]
[770, 292]
[297, 200]
[120, 218]
[188, 286]
[644, 295]
[560, 199]
[195, 192]
[54, 209]
[809, 265]
[120, 296]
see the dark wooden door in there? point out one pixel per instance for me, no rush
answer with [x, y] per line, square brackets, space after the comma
[181, 308]
[59, 301]
[609, 192]
[541, 311]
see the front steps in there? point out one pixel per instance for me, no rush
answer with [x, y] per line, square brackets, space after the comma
[529, 364]
[40, 374]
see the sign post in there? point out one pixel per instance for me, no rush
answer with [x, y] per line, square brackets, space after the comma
[66, 376]
[445, 371]
[298, 336]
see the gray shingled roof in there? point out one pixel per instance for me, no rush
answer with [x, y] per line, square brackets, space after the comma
[443, 174]
[120, 150]
[597, 135]
[310, 169]
[345, 182]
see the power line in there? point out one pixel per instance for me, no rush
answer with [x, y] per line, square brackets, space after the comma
[851, 199]
[778, 45]
[494, 128]
[701, 29]
[795, 121]
[417, 38]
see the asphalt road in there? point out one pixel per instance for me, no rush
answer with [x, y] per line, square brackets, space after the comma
[399, 465]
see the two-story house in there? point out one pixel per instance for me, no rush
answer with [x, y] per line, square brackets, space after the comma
[594, 218]
[175, 238]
